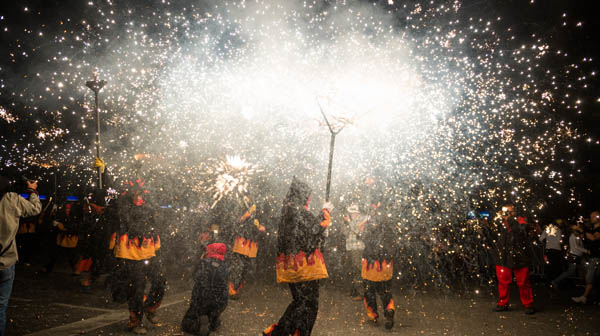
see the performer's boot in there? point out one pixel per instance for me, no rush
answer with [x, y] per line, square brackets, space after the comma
[233, 293]
[135, 324]
[389, 317]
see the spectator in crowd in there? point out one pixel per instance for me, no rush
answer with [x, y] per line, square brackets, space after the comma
[574, 258]
[12, 206]
[552, 237]
[592, 238]
[355, 224]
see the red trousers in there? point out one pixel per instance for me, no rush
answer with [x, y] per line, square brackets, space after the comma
[504, 275]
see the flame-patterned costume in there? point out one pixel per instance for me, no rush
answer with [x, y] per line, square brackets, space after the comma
[245, 247]
[36, 230]
[26, 238]
[378, 266]
[300, 262]
[93, 240]
[135, 246]
[68, 222]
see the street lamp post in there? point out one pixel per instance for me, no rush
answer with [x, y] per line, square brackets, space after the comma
[97, 85]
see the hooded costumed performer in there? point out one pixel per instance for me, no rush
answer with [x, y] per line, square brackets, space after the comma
[135, 247]
[300, 262]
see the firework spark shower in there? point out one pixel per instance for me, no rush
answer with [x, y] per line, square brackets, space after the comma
[417, 124]
[451, 110]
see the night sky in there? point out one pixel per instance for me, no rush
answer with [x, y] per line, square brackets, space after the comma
[47, 93]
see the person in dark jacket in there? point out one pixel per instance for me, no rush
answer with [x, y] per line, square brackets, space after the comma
[245, 246]
[513, 256]
[93, 240]
[135, 246]
[377, 265]
[209, 295]
[27, 238]
[300, 262]
[68, 223]
[592, 242]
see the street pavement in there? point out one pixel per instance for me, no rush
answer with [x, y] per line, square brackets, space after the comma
[55, 305]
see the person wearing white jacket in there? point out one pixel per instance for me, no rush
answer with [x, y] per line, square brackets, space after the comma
[552, 237]
[576, 251]
[12, 207]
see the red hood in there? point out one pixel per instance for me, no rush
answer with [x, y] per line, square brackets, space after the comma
[216, 250]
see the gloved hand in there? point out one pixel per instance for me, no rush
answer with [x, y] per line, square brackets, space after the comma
[329, 206]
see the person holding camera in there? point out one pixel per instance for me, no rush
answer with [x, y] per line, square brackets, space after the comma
[12, 207]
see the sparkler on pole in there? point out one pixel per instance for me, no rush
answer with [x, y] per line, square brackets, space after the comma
[333, 130]
[97, 85]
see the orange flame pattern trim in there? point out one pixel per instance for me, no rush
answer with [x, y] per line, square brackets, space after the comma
[269, 330]
[245, 247]
[370, 313]
[232, 290]
[83, 265]
[377, 271]
[298, 268]
[67, 240]
[132, 249]
[26, 227]
[390, 305]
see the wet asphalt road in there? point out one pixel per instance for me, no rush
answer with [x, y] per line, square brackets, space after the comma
[54, 305]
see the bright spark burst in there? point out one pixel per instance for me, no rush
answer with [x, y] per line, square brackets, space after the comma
[6, 116]
[228, 178]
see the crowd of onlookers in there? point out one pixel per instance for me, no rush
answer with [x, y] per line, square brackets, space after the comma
[459, 256]
[561, 254]
[572, 253]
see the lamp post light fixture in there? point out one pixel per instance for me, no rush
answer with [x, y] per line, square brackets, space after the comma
[96, 85]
